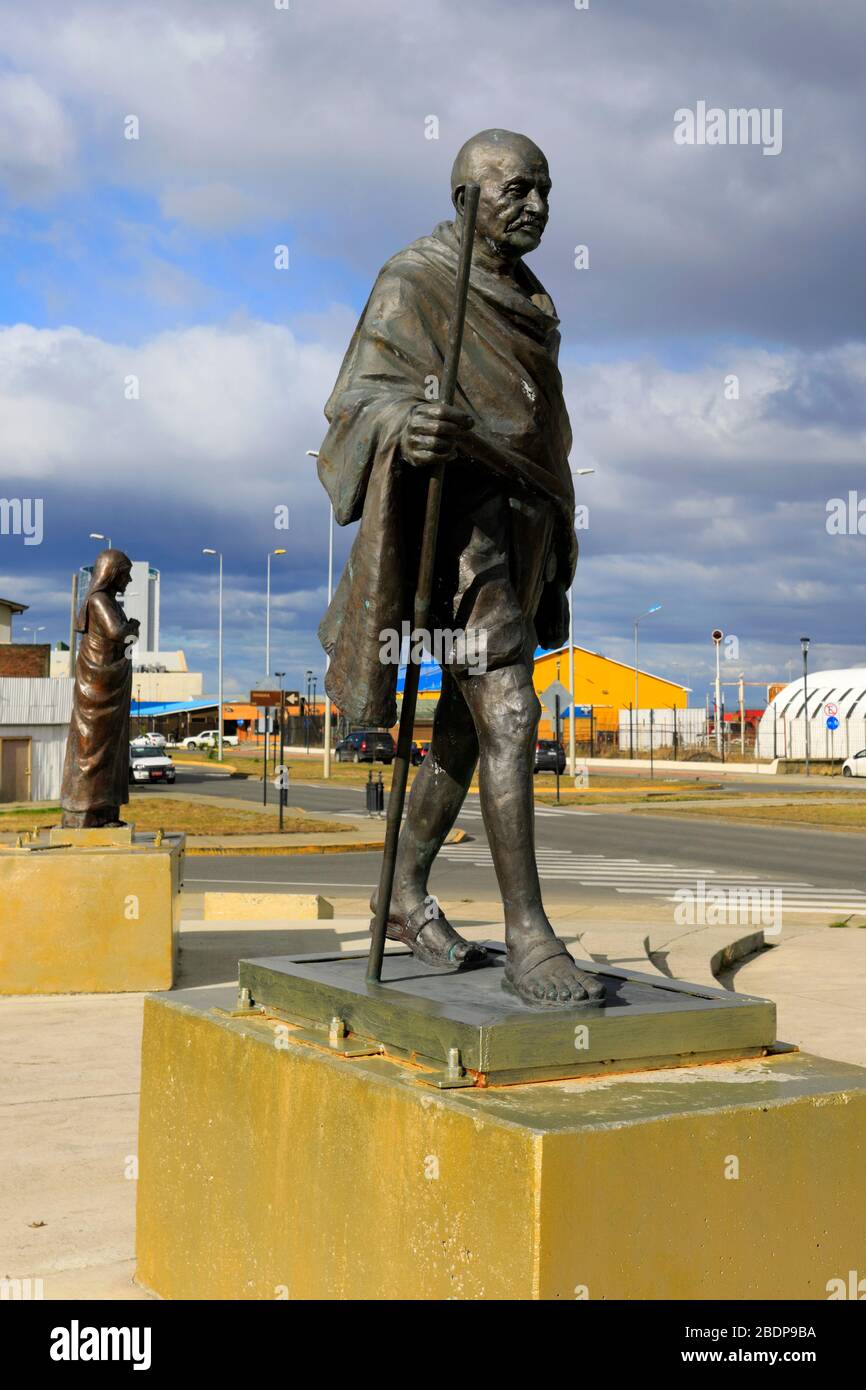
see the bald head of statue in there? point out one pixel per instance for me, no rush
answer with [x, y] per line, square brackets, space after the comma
[515, 185]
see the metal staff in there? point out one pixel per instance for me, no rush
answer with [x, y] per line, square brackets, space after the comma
[423, 594]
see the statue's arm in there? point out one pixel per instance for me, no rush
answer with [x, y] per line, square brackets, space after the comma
[107, 620]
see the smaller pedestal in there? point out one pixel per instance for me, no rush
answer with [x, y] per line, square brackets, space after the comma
[90, 912]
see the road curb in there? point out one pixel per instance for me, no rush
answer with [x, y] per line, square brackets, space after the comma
[454, 837]
[237, 850]
[211, 766]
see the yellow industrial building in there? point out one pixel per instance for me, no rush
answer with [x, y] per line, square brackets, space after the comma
[600, 684]
[606, 686]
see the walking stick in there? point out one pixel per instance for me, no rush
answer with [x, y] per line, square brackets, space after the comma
[423, 594]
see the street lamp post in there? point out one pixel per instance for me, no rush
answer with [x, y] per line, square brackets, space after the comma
[718, 637]
[308, 677]
[326, 755]
[572, 768]
[281, 775]
[655, 608]
[98, 536]
[218, 554]
[804, 643]
[268, 614]
[34, 630]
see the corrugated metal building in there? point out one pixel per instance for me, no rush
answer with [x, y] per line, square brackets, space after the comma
[835, 696]
[34, 723]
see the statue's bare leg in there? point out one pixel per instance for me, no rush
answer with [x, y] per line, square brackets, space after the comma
[505, 710]
[438, 792]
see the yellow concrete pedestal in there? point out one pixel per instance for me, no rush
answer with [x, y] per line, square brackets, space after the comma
[271, 1169]
[94, 915]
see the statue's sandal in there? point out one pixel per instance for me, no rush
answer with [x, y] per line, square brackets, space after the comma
[433, 940]
[517, 977]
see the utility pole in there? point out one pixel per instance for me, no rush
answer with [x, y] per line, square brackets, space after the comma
[655, 608]
[217, 554]
[718, 638]
[804, 643]
[280, 551]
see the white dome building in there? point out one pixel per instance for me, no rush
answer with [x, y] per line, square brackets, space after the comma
[782, 730]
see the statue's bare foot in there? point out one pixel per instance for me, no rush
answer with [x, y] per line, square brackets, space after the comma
[430, 936]
[541, 972]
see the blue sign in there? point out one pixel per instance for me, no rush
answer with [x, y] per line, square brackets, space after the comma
[832, 723]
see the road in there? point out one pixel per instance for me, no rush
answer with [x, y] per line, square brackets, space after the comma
[596, 856]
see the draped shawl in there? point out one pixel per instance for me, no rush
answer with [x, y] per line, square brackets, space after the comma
[508, 380]
[96, 769]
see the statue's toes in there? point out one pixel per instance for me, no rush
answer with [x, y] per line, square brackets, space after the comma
[576, 986]
[592, 988]
[468, 952]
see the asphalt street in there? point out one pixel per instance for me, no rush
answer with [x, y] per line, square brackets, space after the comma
[605, 856]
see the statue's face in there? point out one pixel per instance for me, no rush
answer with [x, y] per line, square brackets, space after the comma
[512, 206]
[122, 580]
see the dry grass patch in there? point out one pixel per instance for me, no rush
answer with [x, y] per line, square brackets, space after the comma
[190, 817]
[813, 813]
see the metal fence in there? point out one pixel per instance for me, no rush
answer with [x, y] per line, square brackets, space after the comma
[662, 730]
[779, 737]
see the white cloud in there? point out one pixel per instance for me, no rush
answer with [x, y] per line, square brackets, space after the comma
[216, 206]
[36, 138]
[227, 409]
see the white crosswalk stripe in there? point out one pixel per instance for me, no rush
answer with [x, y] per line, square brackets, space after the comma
[634, 876]
[475, 812]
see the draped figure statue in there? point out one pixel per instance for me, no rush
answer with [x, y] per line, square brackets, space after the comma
[96, 771]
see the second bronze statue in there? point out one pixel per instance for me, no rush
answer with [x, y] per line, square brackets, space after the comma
[506, 547]
[96, 771]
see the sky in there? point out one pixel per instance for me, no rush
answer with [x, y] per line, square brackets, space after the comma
[161, 378]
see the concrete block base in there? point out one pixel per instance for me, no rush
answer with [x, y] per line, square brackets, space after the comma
[267, 907]
[270, 1168]
[90, 917]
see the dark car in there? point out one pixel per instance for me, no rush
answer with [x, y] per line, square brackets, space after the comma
[365, 746]
[549, 756]
[419, 753]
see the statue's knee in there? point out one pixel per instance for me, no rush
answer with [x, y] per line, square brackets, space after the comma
[518, 722]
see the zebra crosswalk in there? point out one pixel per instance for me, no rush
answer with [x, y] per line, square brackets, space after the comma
[632, 876]
[470, 812]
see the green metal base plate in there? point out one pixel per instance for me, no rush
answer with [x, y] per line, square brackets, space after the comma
[463, 1027]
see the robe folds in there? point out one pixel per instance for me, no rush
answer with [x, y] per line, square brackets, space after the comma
[96, 768]
[508, 381]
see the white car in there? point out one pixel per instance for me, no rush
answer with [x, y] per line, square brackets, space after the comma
[856, 766]
[149, 764]
[152, 740]
[210, 739]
